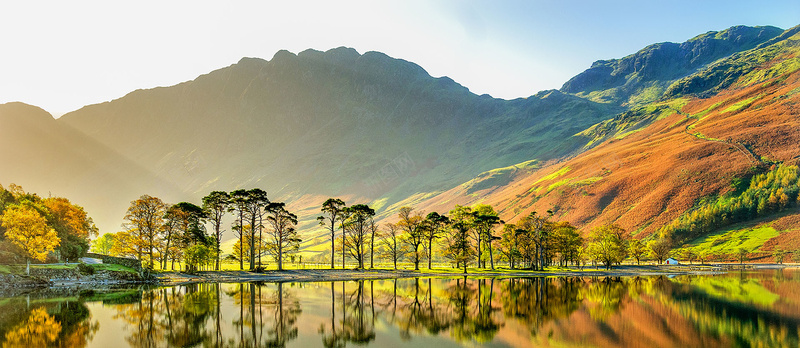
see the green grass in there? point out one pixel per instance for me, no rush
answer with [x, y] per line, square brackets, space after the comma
[705, 137]
[379, 203]
[498, 177]
[111, 296]
[785, 67]
[558, 173]
[622, 135]
[740, 105]
[664, 109]
[5, 269]
[729, 241]
[56, 266]
[631, 121]
[113, 267]
[646, 95]
[558, 184]
[743, 69]
[587, 181]
[705, 112]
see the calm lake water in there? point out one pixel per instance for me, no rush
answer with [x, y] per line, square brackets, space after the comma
[736, 309]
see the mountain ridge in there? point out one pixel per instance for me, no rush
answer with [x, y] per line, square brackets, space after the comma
[661, 162]
[377, 129]
[642, 77]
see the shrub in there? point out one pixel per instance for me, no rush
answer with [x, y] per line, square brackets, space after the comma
[85, 269]
[7, 258]
[10, 253]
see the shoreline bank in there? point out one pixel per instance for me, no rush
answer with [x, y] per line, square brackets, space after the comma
[106, 278]
[323, 275]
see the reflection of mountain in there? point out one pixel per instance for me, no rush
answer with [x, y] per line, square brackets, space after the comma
[602, 312]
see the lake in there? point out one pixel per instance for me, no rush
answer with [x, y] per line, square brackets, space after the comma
[757, 308]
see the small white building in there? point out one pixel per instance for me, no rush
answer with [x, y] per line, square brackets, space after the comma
[671, 261]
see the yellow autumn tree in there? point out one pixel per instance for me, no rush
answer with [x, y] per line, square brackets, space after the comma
[144, 220]
[238, 251]
[28, 229]
[73, 226]
[124, 245]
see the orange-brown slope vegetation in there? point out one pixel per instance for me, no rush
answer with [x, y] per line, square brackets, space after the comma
[788, 239]
[644, 179]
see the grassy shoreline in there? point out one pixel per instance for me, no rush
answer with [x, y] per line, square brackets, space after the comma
[313, 275]
[66, 276]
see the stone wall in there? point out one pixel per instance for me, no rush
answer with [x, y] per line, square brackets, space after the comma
[20, 281]
[73, 275]
[123, 261]
[56, 273]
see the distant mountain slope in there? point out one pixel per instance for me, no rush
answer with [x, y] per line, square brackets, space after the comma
[43, 156]
[661, 160]
[376, 129]
[331, 123]
[644, 76]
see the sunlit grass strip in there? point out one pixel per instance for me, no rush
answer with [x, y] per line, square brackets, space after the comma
[740, 105]
[560, 172]
[731, 240]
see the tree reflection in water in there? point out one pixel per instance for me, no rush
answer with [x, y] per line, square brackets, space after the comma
[267, 315]
[66, 323]
[761, 309]
[357, 316]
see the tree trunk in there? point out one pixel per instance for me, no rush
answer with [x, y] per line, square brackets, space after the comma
[361, 253]
[216, 267]
[280, 253]
[150, 254]
[166, 252]
[479, 250]
[260, 238]
[430, 252]
[372, 250]
[333, 236]
[491, 253]
[28, 267]
[416, 258]
[253, 242]
[343, 251]
[241, 241]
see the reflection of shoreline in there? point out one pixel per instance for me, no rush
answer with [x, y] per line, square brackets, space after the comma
[316, 275]
[473, 310]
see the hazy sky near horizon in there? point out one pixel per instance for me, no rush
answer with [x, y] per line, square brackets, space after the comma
[62, 55]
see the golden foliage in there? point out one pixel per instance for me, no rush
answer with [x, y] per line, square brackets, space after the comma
[28, 229]
[71, 216]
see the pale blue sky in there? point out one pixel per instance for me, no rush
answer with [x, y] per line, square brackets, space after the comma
[61, 55]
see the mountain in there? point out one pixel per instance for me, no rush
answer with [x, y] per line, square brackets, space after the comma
[330, 123]
[717, 137]
[644, 76]
[42, 155]
[639, 141]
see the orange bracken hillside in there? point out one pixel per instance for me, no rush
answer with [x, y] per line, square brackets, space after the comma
[644, 179]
